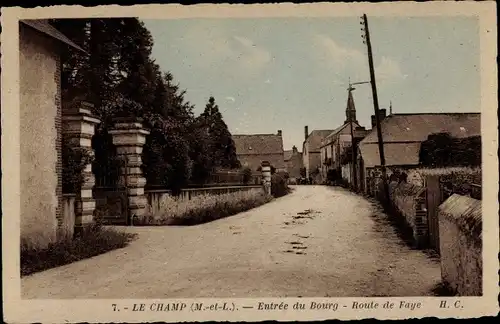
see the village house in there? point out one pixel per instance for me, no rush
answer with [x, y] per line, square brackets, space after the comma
[253, 149]
[403, 135]
[334, 145]
[293, 163]
[41, 130]
[311, 152]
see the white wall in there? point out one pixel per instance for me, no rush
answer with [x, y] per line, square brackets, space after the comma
[38, 89]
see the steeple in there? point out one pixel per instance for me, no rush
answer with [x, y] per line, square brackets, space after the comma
[350, 111]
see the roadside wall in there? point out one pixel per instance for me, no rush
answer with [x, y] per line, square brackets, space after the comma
[460, 232]
[409, 201]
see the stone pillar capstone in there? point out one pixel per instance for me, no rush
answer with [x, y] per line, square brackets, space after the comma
[266, 177]
[129, 137]
[78, 127]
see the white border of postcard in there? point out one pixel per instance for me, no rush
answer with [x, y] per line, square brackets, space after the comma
[18, 310]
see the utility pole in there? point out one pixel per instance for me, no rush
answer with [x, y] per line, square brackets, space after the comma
[366, 40]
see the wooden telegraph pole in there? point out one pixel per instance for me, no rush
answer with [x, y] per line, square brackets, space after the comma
[366, 40]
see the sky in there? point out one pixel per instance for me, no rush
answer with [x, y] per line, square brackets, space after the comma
[273, 74]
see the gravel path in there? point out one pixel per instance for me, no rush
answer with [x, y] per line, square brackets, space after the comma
[316, 242]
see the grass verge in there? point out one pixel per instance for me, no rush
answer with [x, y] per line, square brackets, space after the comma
[205, 208]
[91, 241]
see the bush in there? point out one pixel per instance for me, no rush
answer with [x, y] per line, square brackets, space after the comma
[91, 241]
[443, 150]
[333, 175]
[205, 208]
[279, 186]
[247, 175]
[74, 160]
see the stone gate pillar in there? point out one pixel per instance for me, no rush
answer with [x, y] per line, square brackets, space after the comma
[266, 177]
[78, 126]
[129, 138]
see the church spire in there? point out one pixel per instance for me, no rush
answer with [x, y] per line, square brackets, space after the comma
[350, 111]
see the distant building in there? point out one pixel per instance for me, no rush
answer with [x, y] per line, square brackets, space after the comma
[335, 143]
[253, 149]
[293, 163]
[404, 133]
[311, 152]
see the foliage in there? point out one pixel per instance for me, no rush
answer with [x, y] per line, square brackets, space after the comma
[74, 160]
[223, 148]
[279, 186]
[205, 208]
[442, 150]
[333, 175]
[459, 182]
[119, 77]
[91, 241]
[247, 175]
[314, 172]
[346, 155]
[106, 165]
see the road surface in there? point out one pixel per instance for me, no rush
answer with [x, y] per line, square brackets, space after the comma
[316, 242]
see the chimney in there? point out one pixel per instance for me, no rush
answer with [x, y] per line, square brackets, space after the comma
[279, 132]
[382, 114]
[306, 132]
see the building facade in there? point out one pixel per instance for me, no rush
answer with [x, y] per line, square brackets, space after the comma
[293, 163]
[252, 150]
[335, 144]
[41, 130]
[403, 135]
[311, 153]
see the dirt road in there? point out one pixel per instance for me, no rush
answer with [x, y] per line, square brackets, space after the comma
[316, 242]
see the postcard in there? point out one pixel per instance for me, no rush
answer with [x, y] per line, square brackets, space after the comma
[231, 162]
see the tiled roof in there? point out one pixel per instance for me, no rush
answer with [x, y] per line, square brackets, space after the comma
[395, 154]
[417, 127]
[258, 144]
[330, 136]
[288, 154]
[43, 26]
[314, 139]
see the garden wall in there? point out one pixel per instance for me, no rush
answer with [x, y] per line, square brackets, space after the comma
[409, 201]
[460, 231]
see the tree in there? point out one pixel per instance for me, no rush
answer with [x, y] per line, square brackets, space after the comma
[223, 148]
[303, 172]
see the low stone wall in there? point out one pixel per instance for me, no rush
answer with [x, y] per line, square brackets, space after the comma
[155, 197]
[409, 201]
[460, 233]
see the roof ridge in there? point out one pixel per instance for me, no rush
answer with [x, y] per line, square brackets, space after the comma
[266, 134]
[435, 113]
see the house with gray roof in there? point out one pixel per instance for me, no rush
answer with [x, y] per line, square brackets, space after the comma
[404, 133]
[335, 143]
[253, 149]
[311, 152]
